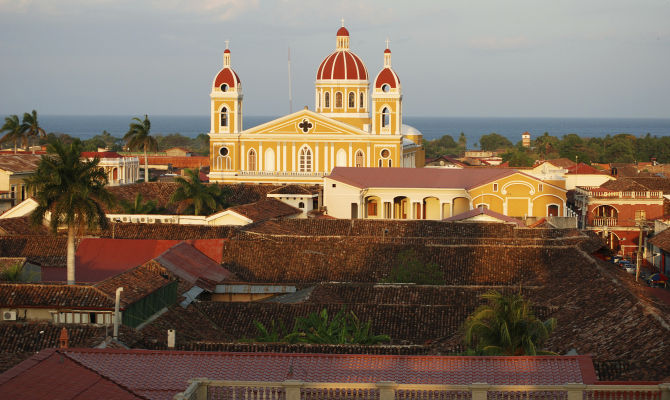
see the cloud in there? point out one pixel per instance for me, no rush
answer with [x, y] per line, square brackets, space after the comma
[223, 10]
[501, 43]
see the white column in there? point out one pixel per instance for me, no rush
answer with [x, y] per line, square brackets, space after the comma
[284, 156]
[243, 158]
[332, 100]
[349, 162]
[332, 156]
[211, 113]
[316, 157]
[367, 159]
[278, 161]
[325, 158]
[261, 156]
[293, 157]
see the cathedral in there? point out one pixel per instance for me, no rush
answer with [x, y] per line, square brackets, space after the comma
[352, 125]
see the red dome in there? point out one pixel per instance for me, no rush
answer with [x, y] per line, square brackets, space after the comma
[387, 51]
[342, 32]
[387, 76]
[342, 65]
[226, 51]
[227, 76]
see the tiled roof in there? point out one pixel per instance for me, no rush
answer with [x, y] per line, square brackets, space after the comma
[638, 184]
[562, 162]
[444, 178]
[177, 161]
[149, 372]
[295, 189]
[99, 258]
[582, 168]
[151, 191]
[47, 250]
[166, 231]
[50, 373]
[137, 283]
[265, 209]
[100, 154]
[662, 240]
[21, 226]
[192, 266]
[53, 296]
[484, 211]
[19, 163]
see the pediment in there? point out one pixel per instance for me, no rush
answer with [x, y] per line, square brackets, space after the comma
[304, 122]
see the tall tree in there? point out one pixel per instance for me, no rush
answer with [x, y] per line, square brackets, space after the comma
[198, 198]
[506, 326]
[138, 138]
[13, 131]
[71, 191]
[494, 141]
[31, 127]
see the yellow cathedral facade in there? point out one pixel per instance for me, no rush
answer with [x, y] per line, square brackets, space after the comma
[353, 125]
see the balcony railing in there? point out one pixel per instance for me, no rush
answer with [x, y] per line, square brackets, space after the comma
[283, 173]
[597, 193]
[205, 389]
[604, 221]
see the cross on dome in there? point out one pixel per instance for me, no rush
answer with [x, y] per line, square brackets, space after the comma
[227, 41]
[387, 43]
[343, 22]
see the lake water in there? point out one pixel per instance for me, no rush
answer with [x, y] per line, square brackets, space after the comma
[431, 127]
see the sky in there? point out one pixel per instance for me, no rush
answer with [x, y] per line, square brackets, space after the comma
[480, 58]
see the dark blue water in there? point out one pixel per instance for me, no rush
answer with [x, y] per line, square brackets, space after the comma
[431, 127]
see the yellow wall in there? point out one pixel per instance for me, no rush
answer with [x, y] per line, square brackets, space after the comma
[516, 191]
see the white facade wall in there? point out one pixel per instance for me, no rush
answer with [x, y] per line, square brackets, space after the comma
[574, 180]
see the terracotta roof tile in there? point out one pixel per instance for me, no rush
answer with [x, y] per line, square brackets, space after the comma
[19, 163]
[21, 226]
[14, 295]
[296, 189]
[266, 209]
[137, 283]
[418, 177]
[46, 250]
[191, 265]
[484, 211]
[662, 240]
[58, 376]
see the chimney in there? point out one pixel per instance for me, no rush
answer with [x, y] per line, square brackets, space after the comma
[171, 336]
[64, 341]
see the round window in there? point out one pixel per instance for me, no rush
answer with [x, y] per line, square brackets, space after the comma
[385, 153]
[224, 87]
[223, 151]
[386, 87]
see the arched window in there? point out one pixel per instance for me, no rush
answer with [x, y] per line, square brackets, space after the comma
[361, 101]
[269, 162]
[341, 158]
[224, 117]
[251, 160]
[305, 160]
[352, 100]
[360, 159]
[326, 100]
[301, 205]
[385, 117]
[338, 100]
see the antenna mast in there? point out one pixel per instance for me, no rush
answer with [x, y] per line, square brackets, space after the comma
[290, 95]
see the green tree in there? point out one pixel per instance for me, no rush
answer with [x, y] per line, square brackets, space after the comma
[139, 206]
[138, 138]
[546, 146]
[13, 131]
[31, 127]
[518, 158]
[343, 328]
[442, 146]
[12, 273]
[494, 141]
[72, 191]
[409, 268]
[506, 326]
[198, 198]
[462, 142]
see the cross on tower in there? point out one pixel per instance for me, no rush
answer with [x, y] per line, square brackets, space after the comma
[342, 21]
[305, 125]
[387, 43]
[226, 43]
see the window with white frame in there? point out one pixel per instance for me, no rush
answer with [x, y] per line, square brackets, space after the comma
[305, 160]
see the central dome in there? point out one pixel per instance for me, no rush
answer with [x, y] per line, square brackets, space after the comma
[342, 64]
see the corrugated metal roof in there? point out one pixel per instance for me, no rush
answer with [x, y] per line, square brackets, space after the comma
[19, 163]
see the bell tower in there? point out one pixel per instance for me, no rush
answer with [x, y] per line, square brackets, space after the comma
[387, 100]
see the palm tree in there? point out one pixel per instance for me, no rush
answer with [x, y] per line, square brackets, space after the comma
[31, 127]
[139, 206]
[138, 138]
[198, 198]
[14, 131]
[72, 191]
[506, 326]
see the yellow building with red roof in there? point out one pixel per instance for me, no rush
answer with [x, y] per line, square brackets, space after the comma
[354, 124]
